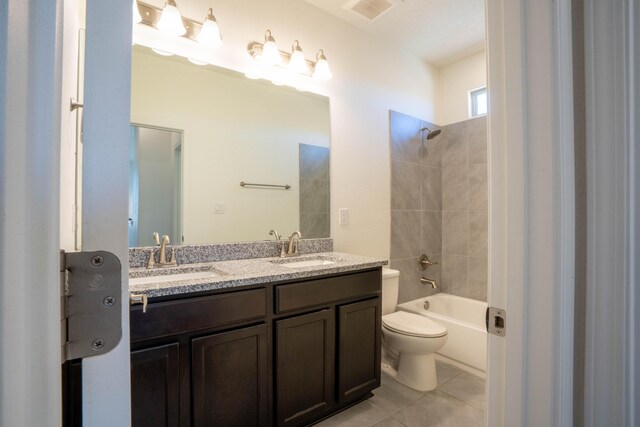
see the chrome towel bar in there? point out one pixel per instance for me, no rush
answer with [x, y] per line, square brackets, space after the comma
[248, 184]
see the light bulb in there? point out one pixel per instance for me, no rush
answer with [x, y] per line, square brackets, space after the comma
[210, 32]
[297, 63]
[321, 71]
[270, 53]
[137, 18]
[171, 20]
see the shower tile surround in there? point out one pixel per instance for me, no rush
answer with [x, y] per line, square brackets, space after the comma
[439, 206]
[314, 191]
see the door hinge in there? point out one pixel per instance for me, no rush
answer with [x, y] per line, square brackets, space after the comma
[91, 291]
[496, 321]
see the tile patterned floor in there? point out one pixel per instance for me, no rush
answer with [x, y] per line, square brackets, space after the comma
[457, 401]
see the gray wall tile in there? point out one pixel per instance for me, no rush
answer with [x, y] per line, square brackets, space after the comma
[431, 150]
[405, 234]
[477, 140]
[314, 196]
[431, 232]
[451, 200]
[434, 272]
[314, 225]
[454, 274]
[477, 280]
[478, 234]
[455, 232]
[478, 195]
[455, 188]
[404, 136]
[455, 150]
[431, 188]
[314, 162]
[406, 185]
[410, 287]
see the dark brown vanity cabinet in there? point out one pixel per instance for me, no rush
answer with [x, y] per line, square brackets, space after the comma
[286, 354]
[229, 378]
[304, 367]
[201, 361]
[359, 335]
[155, 386]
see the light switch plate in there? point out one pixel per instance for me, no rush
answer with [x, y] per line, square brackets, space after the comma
[343, 216]
[218, 207]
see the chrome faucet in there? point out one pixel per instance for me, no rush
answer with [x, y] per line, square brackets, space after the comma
[283, 252]
[292, 249]
[432, 282]
[163, 253]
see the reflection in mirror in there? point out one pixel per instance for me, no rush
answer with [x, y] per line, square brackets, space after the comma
[232, 130]
[155, 184]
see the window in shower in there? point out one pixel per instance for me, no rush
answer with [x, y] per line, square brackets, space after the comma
[478, 102]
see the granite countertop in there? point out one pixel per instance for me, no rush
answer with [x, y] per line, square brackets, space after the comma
[244, 272]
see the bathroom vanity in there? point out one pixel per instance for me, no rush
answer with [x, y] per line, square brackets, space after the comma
[258, 344]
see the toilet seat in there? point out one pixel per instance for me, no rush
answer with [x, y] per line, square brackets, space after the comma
[413, 325]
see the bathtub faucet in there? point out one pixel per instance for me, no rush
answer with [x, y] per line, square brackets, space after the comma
[431, 282]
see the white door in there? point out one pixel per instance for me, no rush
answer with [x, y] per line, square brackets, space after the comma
[531, 225]
[105, 176]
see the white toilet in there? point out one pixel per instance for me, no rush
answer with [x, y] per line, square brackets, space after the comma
[409, 340]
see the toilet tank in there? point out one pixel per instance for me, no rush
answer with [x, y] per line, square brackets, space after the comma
[390, 284]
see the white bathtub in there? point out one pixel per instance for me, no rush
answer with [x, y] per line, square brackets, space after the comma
[464, 319]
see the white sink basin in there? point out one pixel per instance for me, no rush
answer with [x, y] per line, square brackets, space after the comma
[306, 263]
[173, 277]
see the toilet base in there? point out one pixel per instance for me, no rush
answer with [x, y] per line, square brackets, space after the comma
[416, 371]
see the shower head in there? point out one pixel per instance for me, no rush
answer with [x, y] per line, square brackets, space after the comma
[431, 133]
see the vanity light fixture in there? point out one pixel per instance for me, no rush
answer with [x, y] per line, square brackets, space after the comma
[270, 54]
[321, 70]
[295, 64]
[171, 20]
[209, 35]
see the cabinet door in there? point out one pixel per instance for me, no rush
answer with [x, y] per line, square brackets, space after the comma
[359, 333]
[229, 377]
[304, 367]
[155, 389]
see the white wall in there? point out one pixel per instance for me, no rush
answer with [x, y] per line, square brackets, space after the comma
[456, 80]
[370, 77]
[73, 19]
[235, 129]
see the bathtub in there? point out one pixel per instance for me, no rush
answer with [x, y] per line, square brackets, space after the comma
[464, 319]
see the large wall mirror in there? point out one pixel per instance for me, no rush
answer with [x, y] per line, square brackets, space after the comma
[199, 131]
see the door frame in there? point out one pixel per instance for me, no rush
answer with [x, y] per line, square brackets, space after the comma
[532, 211]
[106, 390]
[31, 63]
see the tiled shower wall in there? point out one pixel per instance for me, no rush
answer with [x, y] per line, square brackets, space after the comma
[314, 191]
[439, 206]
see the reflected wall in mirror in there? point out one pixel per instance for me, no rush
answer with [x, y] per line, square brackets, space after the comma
[232, 129]
[155, 184]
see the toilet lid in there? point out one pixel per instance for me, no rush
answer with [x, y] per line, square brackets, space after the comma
[413, 325]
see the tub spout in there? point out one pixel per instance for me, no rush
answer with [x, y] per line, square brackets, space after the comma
[431, 282]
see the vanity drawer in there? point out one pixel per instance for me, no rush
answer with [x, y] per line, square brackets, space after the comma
[322, 291]
[175, 317]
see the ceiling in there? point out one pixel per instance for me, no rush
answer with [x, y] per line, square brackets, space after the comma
[437, 31]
